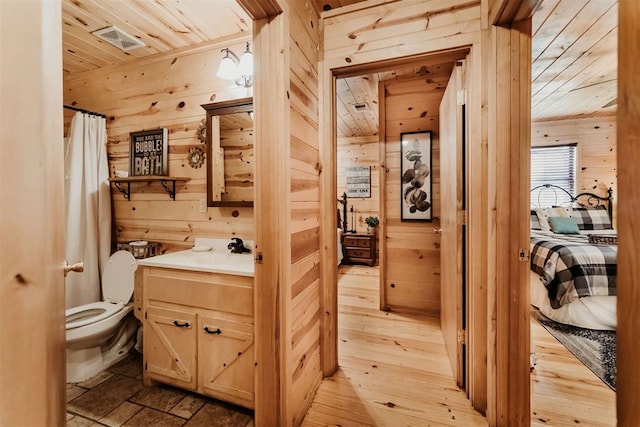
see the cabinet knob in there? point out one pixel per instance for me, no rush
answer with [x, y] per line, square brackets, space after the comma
[209, 331]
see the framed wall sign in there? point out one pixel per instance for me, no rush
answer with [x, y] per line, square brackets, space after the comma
[148, 152]
[359, 181]
[416, 195]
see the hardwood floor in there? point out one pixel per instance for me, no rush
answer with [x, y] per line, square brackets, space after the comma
[394, 372]
[393, 367]
[564, 392]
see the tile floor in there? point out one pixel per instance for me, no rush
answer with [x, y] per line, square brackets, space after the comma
[117, 397]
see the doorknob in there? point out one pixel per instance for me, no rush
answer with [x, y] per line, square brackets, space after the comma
[77, 267]
[437, 230]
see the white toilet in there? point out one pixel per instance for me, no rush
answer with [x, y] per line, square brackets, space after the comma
[100, 334]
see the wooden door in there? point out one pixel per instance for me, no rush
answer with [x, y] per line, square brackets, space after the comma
[32, 302]
[226, 359]
[170, 346]
[451, 222]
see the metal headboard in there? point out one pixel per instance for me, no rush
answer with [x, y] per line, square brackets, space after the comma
[582, 199]
[343, 201]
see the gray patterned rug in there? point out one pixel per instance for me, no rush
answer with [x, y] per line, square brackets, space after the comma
[595, 349]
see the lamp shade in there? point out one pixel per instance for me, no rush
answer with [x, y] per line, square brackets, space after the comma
[227, 69]
[246, 64]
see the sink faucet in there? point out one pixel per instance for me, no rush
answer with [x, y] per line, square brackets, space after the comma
[237, 246]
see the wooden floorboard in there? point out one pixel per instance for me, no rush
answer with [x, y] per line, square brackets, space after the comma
[394, 372]
[564, 392]
[393, 367]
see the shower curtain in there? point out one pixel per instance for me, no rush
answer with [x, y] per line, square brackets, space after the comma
[88, 207]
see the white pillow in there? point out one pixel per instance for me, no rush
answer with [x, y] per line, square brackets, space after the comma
[544, 214]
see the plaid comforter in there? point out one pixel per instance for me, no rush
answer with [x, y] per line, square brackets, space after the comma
[572, 268]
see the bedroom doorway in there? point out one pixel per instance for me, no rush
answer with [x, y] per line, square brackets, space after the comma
[573, 114]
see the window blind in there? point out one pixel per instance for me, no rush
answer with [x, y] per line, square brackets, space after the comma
[557, 166]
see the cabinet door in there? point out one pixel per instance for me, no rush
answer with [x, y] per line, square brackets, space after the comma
[226, 359]
[170, 346]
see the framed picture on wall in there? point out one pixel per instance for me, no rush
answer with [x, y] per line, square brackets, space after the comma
[148, 153]
[416, 197]
[359, 181]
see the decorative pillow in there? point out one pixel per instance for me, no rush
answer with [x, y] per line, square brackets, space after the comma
[563, 225]
[535, 222]
[544, 214]
[596, 218]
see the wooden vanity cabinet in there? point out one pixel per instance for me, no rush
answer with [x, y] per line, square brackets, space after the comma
[199, 333]
[225, 358]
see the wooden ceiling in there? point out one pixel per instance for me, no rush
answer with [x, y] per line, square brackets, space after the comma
[575, 59]
[162, 25]
[574, 68]
[357, 97]
[574, 53]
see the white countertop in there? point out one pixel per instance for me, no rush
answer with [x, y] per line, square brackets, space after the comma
[216, 260]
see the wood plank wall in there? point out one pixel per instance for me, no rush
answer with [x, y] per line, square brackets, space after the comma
[509, 129]
[596, 153]
[239, 162]
[164, 90]
[359, 151]
[412, 263]
[303, 307]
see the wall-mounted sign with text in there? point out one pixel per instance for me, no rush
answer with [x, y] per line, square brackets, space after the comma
[149, 152]
[359, 181]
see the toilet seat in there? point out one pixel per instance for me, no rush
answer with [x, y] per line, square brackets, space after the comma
[117, 277]
[91, 313]
[117, 289]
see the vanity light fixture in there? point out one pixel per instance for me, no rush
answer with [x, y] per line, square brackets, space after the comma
[240, 70]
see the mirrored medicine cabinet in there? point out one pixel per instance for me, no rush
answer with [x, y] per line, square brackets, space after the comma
[230, 140]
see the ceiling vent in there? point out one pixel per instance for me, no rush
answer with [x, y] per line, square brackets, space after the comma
[361, 107]
[118, 38]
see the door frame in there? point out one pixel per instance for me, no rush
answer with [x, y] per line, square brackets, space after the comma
[498, 327]
[477, 349]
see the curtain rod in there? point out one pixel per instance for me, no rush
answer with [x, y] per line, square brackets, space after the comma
[84, 111]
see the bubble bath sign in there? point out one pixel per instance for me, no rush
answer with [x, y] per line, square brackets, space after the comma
[149, 152]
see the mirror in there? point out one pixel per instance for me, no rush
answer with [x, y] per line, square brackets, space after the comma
[230, 153]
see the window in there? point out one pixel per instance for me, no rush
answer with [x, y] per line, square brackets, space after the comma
[557, 166]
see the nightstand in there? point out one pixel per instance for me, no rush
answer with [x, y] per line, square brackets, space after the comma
[359, 248]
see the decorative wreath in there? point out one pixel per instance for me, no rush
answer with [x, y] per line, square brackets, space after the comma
[196, 157]
[201, 132]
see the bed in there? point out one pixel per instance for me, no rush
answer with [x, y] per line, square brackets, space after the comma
[574, 259]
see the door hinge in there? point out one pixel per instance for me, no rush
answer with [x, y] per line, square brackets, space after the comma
[145, 366]
[145, 314]
[462, 336]
[462, 97]
[523, 255]
[258, 258]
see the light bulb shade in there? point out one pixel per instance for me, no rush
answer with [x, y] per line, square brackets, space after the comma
[246, 64]
[228, 69]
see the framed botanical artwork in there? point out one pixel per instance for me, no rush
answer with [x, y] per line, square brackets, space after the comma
[416, 195]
